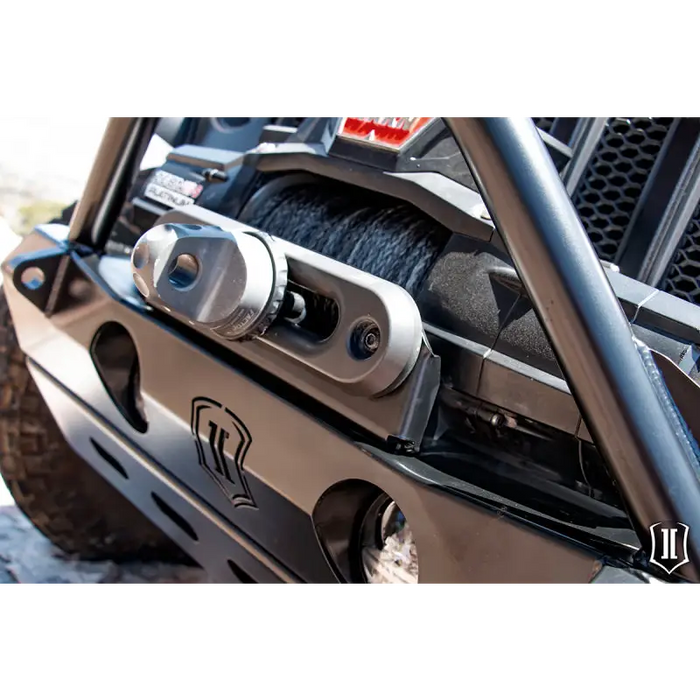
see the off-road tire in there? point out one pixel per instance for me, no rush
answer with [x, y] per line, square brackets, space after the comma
[67, 501]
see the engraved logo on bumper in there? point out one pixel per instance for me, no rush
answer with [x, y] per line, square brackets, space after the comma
[222, 442]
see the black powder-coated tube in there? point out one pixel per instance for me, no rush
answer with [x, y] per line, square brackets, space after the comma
[593, 341]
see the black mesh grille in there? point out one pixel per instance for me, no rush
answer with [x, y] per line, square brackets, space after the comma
[544, 123]
[612, 185]
[683, 277]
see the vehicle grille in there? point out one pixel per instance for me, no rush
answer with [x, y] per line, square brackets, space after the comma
[634, 182]
[611, 187]
[683, 277]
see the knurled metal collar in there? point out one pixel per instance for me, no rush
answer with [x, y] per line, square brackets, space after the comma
[279, 286]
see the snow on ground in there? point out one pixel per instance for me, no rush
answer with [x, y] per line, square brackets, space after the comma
[26, 556]
[5, 498]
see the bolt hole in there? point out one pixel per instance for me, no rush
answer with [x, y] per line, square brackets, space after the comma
[33, 278]
[365, 339]
[183, 271]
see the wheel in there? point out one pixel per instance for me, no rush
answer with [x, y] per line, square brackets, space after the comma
[67, 501]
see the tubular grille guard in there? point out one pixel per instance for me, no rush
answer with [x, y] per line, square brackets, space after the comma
[618, 398]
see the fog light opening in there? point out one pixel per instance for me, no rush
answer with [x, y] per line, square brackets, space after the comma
[388, 549]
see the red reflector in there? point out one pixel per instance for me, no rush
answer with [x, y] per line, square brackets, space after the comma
[391, 132]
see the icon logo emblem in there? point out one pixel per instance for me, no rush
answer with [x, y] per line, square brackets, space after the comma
[669, 545]
[222, 442]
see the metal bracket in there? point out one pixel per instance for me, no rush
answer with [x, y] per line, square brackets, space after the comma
[47, 277]
[35, 275]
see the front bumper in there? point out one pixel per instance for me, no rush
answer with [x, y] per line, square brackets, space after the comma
[296, 459]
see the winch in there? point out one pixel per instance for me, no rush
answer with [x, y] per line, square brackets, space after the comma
[230, 282]
[234, 282]
[353, 349]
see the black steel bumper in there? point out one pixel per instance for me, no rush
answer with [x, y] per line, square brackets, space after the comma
[295, 460]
